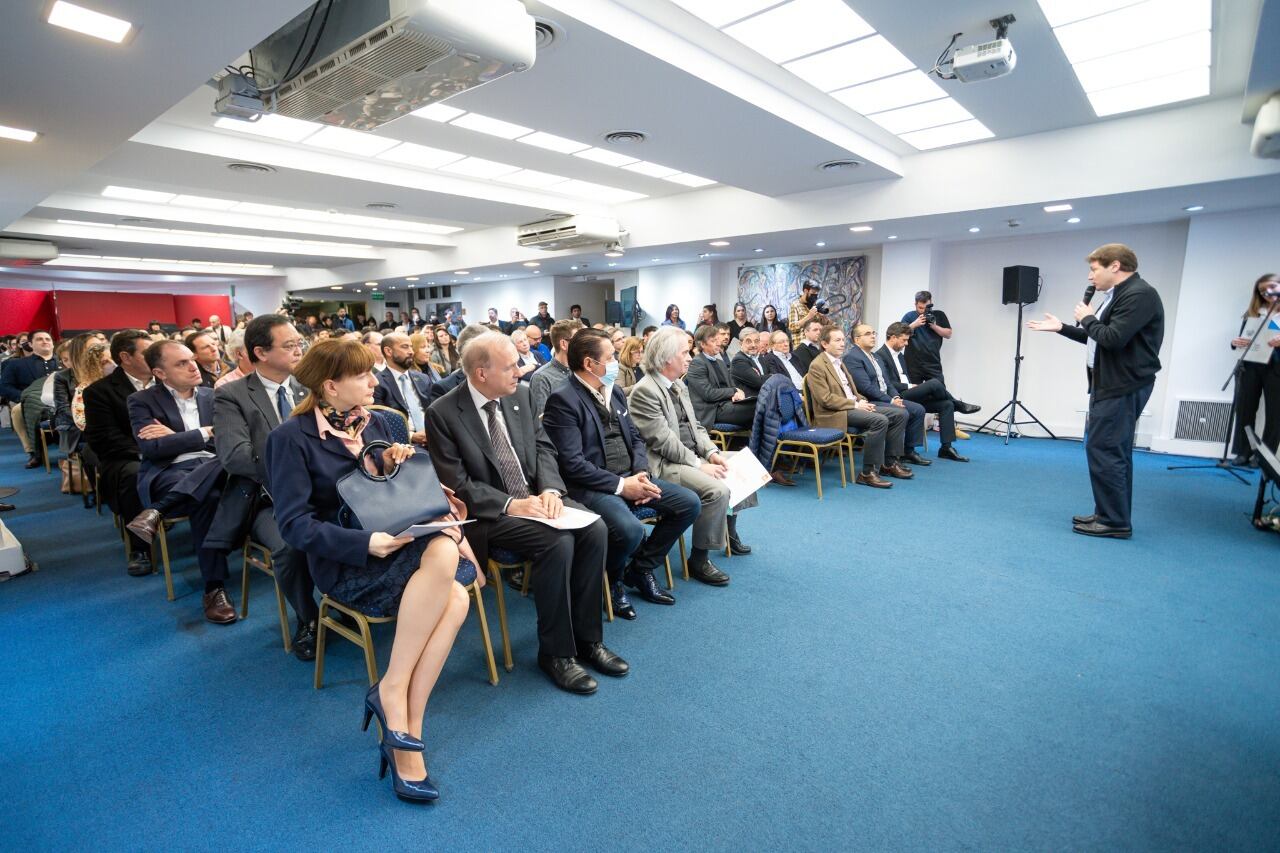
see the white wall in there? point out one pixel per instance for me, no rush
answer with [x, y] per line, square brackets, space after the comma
[478, 297]
[978, 360]
[906, 268]
[590, 295]
[687, 285]
[259, 297]
[1226, 253]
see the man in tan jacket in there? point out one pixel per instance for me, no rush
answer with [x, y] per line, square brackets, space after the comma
[837, 405]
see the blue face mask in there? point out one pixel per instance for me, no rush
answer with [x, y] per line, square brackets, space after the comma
[610, 376]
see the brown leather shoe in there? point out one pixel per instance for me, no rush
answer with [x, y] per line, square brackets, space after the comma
[781, 479]
[869, 478]
[898, 471]
[144, 526]
[218, 608]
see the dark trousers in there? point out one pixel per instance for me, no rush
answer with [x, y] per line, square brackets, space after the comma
[913, 429]
[873, 426]
[896, 434]
[934, 397]
[1258, 383]
[677, 509]
[922, 372]
[290, 566]
[213, 564]
[568, 574]
[739, 414]
[1108, 445]
[120, 488]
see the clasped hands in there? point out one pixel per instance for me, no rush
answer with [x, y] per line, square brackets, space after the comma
[639, 489]
[715, 466]
[545, 505]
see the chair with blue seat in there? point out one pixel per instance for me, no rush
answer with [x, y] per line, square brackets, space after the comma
[722, 434]
[801, 442]
[500, 559]
[394, 421]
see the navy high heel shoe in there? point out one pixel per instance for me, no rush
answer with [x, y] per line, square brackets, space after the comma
[393, 739]
[420, 791]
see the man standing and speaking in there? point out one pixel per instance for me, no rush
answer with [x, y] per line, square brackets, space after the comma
[1123, 336]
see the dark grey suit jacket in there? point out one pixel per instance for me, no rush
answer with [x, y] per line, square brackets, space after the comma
[710, 388]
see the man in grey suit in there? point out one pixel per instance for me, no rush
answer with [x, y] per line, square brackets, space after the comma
[680, 449]
[244, 413]
[711, 388]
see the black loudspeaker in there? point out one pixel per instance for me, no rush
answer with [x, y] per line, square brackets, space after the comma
[1021, 285]
[434, 292]
[421, 293]
[448, 291]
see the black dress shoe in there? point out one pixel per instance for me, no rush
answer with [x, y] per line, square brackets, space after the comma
[967, 408]
[567, 674]
[621, 604]
[646, 586]
[1242, 460]
[33, 461]
[140, 564]
[916, 459]
[304, 642]
[708, 574]
[949, 452]
[1083, 519]
[7, 507]
[737, 546]
[602, 660]
[1095, 528]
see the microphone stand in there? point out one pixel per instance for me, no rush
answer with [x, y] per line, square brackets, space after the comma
[1223, 463]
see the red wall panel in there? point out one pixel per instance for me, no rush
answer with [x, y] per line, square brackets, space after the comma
[82, 309]
[186, 307]
[24, 310]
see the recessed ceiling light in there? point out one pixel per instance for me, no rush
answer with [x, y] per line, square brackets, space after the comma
[335, 287]
[1073, 220]
[131, 194]
[900, 90]
[438, 112]
[613, 263]
[1134, 26]
[798, 28]
[858, 229]
[491, 126]
[613, 253]
[351, 141]
[422, 156]
[974, 230]
[704, 254]
[475, 167]
[533, 263]
[1193, 208]
[370, 284]
[689, 180]
[819, 244]
[653, 170]
[358, 290]
[462, 272]
[573, 267]
[609, 158]
[654, 260]
[72, 17]
[1056, 208]
[948, 134]
[551, 142]
[757, 250]
[862, 61]
[502, 275]
[411, 278]
[17, 134]
[719, 244]
[271, 126]
[921, 116]
[893, 236]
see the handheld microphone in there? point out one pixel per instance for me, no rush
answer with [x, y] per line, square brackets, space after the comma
[1088, 297]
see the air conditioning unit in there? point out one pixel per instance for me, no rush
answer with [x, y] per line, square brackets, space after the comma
[26, 253]
[568, 232]
[1266, 130]
[383, 59]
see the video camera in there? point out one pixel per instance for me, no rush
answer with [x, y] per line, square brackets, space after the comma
[818, 304]
[929, 316]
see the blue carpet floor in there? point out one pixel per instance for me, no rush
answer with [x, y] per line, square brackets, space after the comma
[943, 666]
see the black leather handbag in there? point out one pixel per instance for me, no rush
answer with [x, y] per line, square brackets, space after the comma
[411, 494]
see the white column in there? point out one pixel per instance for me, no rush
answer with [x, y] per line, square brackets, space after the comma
[905, 269]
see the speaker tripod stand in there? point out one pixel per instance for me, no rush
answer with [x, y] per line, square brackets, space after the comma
[1011, 423]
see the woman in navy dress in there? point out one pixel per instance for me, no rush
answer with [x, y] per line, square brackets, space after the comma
[422, 580]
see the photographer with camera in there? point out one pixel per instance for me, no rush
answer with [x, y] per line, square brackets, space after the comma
[807, 307]
[929, 328]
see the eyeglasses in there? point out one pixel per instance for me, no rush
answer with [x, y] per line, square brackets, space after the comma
[291, 346]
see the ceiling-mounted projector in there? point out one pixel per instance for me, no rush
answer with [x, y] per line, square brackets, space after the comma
[984, 61]
[363, 63]
[1266, 130]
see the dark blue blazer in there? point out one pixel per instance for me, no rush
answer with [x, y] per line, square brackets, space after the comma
[572, 421]
[156, 404]
[388, 391]
[864, 377]
[302, 477]
[18, 373]
[443, 386]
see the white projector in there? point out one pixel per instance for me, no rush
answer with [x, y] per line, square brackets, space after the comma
[984, 61]
[1266, 130]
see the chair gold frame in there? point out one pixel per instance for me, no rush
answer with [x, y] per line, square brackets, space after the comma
[798, 450]
[164, 550]
[45, 434]
[722, 438]
[258, 556]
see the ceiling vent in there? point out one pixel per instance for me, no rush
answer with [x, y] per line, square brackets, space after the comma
[250, 168]
[570, 232]
[624, 137]
[381, 205]
[838, 165]
[545, 34]
[136, 220]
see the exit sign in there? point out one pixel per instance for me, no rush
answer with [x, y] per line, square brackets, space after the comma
[377, 297]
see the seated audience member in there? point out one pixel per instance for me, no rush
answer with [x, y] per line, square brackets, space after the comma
[204, 347]
[236, 352]
[629, 370]
[672, 317]
[16, 375]
[555, 372]
[109, 435]
[196, 324]
[680, 451]
[715, 399]
[575, 313]
[543, 321]
[90, 361]
[778, 359]
[422, 353]
[244, 319]
[244, 414]
[932, 393]
[38, 400]
[617, 337]
[420, 581]
[739, 321]
[870, 381]
[536, 343]
[647, 333]
[444, 355]
[388, 324]
[605, 467]
[708, 316]
[180, 474]
[526, 357]
[837, 405]
[221, 333]
[489, 449]
[402, 387]
[809, 347]
[748, 371]
[373, 342]
[453, 380]
[154, 328]
[769, 321]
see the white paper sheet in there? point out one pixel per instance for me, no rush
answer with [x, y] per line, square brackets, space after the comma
[746, 475]
[1260, 353]
[419, 530]
[571, 518]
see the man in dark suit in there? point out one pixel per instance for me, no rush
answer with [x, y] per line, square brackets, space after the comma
[748, 370]
[776, 359]
[244, 414]
[1123, 337]
[109, 434]
[16, 375]
[527, 358]
[180, 474]
[487, 448]
[809, 348]
[443, 386]
[932, 393]
[204, 346]
[606, 468]
[715, 399]
[402, 386]
[870, 380]
[503, 326]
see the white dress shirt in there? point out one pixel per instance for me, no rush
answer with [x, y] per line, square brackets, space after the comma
[273, 388]
[840, 374]
[480, 400]
[189, 410]
[897, 365]
[138, 384]
[417, 417]
[796, 379]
